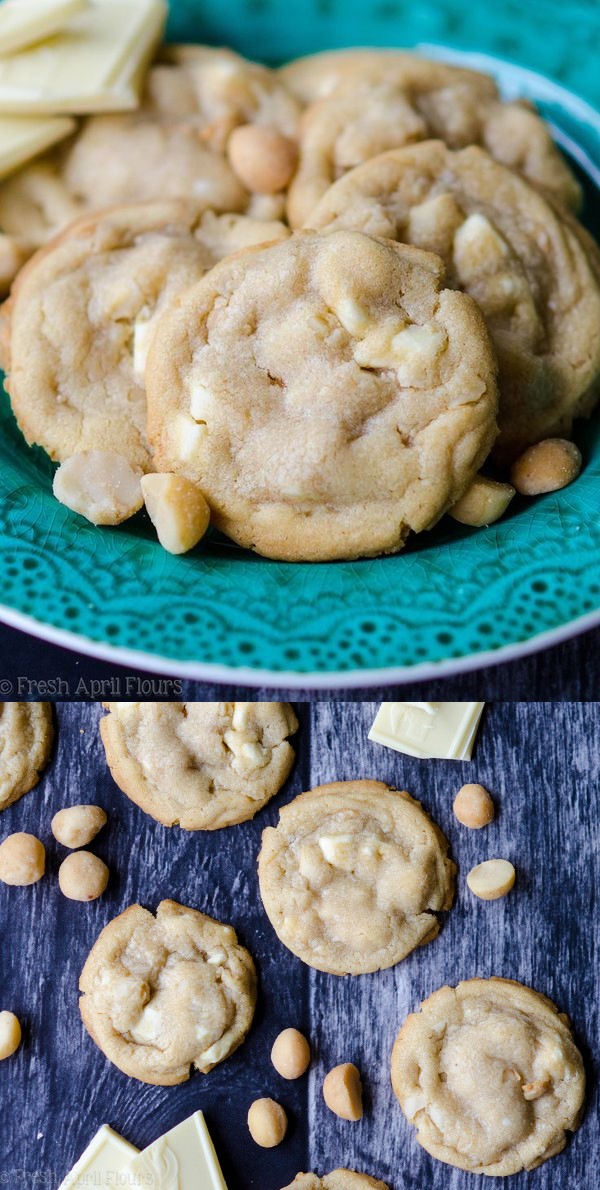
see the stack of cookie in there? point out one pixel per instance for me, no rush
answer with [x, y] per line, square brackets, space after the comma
[307, 306]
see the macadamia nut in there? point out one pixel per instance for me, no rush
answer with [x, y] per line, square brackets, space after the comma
[100, 485]
[267, 1122]
[492, 879]
[473, 806]
[83, 876]
[22, 859]
[177, 509]
[76, 826]
[290, 1054]
[10, 1034]
[546, 467]
[263, 158]
[342, 1092]
[483, 503]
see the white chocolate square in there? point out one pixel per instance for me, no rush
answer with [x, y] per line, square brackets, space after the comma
[23, 22]
[448, 734]
[24, 137]
[101, 1163]
[182, 1158]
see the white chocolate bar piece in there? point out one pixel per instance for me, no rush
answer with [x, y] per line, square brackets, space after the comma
[94, 64]
[182, 1159]
[23, 22]
[23, 137]
[447, 734]
[101, 1163]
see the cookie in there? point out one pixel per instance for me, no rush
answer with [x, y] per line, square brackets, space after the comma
[370, 102]
[327, 394]
[199, 765]
[173, 146]
[339, 1179]
[26, 735]
[353, 875]
[503, 243]
[490, 1075]
[162, 995]
[79, 319]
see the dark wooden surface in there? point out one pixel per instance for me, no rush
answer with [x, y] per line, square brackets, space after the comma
[541, 762]
[568, 671]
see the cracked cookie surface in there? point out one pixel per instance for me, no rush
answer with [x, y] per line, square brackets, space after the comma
[362, 103]
[200, 765]
[163, 994]
[327, 394]
[338, 1179]
[80, 316]
[26, 735]
[490, 1075]
[502, 242]
[353, 875]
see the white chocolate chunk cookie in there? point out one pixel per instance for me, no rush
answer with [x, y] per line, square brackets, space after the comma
[503, 243]
[163, 994]
[79, 322]
[26, 734]
[353, 875]
[339, 1179]
[362, 103]
[199, 765]
[490, 1075]
[326, 394]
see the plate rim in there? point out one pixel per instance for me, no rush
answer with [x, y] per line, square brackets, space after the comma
[197, 671]
[421, 671]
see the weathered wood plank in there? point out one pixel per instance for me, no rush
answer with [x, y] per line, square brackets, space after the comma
[543, 764]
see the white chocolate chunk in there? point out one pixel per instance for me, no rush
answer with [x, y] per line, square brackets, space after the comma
[102, 1162]
[100, 485]
[352, 316]
[335, 847]
[492, 879]
[188, 435]
[21, 139]
[478, 246]
[184, 1157]
[241, 714]
[142, 335]
[448, 734]
[149, 1025]
[413, 1104]
[177, 509]
[215, 1053]
[24, 22]
[202, 403]
[433, 223]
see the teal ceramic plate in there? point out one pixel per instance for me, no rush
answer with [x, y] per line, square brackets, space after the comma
[455, 599]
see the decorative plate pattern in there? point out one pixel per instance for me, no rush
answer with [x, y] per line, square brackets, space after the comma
[454, 593]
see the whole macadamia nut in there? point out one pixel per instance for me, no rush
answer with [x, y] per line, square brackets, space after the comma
[76, 826]
[473, 806]
[10, 1034]
[263, 158]
[290, 1054]
[83, 876]
[22, 859]
[546, 467]
[267, 1122]
[342, 1092]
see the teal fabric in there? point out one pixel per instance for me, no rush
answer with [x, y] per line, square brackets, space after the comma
[455, 593]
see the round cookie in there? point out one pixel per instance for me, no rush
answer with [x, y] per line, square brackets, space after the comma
[353, 875]
[79, 319]
[199, 765]
[490, 1075]
[326, 394]
[163, 994]
[338, 1179]
[503, 243]
[26, 735]
[372, 102]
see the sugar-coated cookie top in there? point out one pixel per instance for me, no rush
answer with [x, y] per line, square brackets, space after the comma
[326, 393]
[162, 994]
[339, 1179]
[490, 1075]
[530, 268]
[352, 876]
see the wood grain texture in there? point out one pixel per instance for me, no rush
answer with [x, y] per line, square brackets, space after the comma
[542, 764]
